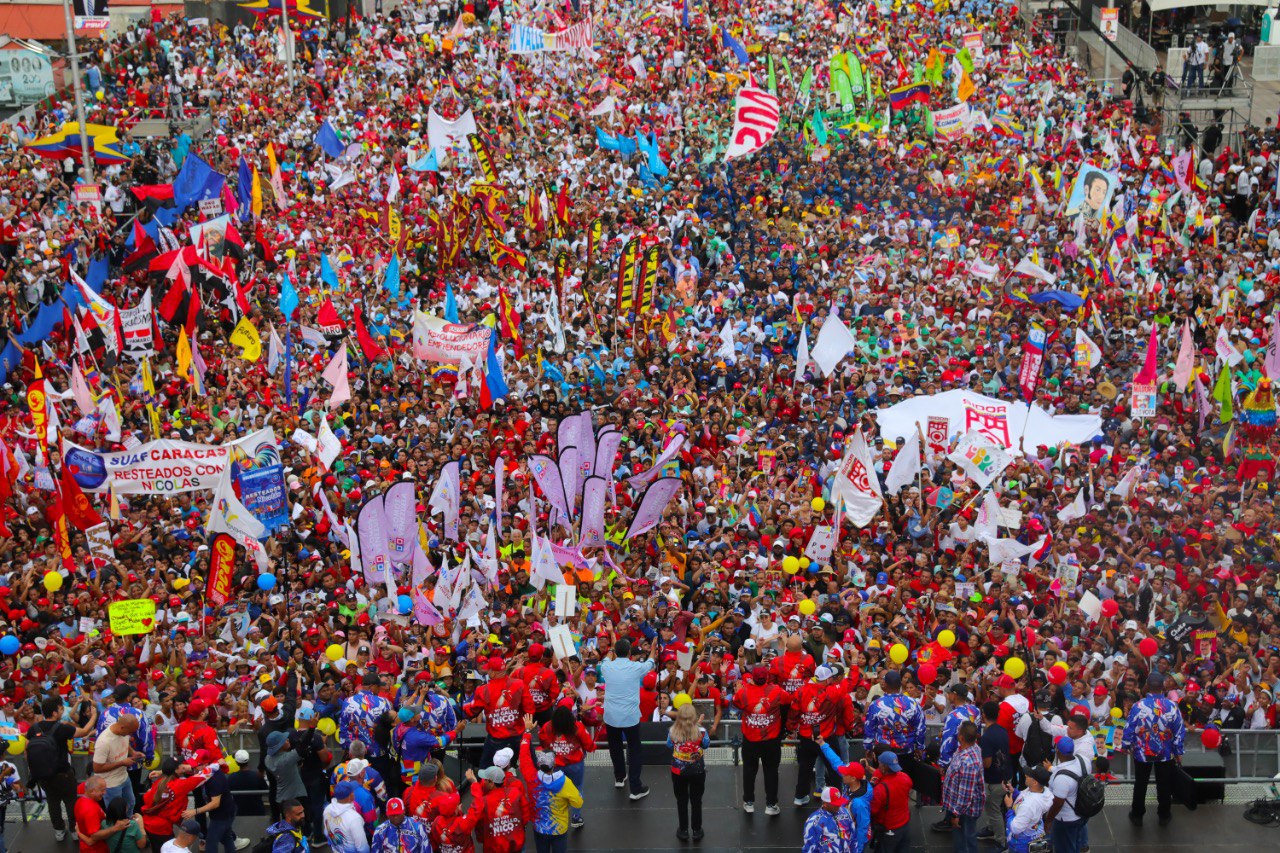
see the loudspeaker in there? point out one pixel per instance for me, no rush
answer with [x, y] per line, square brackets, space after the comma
[1204, 768]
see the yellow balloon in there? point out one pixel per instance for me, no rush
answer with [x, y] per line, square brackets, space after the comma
[807, 607]
[327, 727]
[154, 763]
[804, 562]
[946, 639]
[898, 653]
[333, 652]
[18, 745]
[818, 504]
[1116, 713]
[790, 565]
[1015, 668]
[680, 700]
[52, 581]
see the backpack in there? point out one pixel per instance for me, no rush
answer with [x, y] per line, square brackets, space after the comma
[268, 842]
[1038, 746]
[42, 751]
[1091, 793]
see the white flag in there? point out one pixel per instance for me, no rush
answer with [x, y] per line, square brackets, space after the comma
[835, 341]
[802, 354]
[1126, 484]
[1073, 510]
[987, 521]
[329, 447]
[336, 375]
[1225, 350]
[856, 485]
[275, 352]
[606, 106]
[906, 465]
[545, 569]
[1088, 354]
[1026, 266]
[393, 186]
[80, 390]
[1011, 549]
[980, 458]
[726, 342]
[230, 516]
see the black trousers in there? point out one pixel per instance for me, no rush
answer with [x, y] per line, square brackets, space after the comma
[624, 752]
[60, 792]
[317, 798]
[390, 770]
[755, 753]
[1164, 787]
[688, 790]
[807, 751]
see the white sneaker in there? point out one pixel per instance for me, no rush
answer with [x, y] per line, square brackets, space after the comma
[773, 809]
[802, 801]
[242, 843]
[749, 808]
[59, 835]
[641, 794]
[620, 783]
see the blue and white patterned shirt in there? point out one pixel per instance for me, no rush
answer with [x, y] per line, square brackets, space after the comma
[143, 740]
[896, 722]
[951, 729]
[409, 837]
[356, 722]
[1155, 730]
[825, 832]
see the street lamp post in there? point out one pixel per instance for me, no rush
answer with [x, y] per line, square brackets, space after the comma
[85, 158]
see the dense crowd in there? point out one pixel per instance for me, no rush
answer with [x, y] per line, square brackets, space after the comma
[1115, 592]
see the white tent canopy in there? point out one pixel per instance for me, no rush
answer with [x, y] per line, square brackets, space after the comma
[1161, 5]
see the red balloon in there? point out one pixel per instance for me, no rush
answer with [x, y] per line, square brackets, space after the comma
[1057, 675]
[1002, 651]
[1211, 738]
[1148, 647]
[1110, 608]
[927, 673]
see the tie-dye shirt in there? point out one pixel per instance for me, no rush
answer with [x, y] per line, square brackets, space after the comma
[825, 832]
[951, 729]
[409, 837]
[359, 714]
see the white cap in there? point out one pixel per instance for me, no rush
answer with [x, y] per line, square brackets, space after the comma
[502, 758]
[824, 672]
[241, 757]
[355, 767]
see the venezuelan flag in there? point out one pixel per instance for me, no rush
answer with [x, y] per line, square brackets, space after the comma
[65, 143]
[904, 96]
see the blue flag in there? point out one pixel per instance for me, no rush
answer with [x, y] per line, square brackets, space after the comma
[288, 299]
[623, 144]
[494, 384]
[327, 139]
[196, 181]
[736, 46]
[327, 274]
[450, 304]
[244, 189]
[684, 15]
[648, 145]
[392, 279]
[426, 164]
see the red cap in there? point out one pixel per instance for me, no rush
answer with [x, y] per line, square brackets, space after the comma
[446, 804]
[853, 769]
[395, 805]
[1100, 690]
[1006, 681]
[497, 664]
[536, 650]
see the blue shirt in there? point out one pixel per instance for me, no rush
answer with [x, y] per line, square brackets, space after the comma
[1155, 730]
[143, 740]
[951, 729]
[359, 714]
[622, 679]
[825, 832]
[896, 722]
[409, 837]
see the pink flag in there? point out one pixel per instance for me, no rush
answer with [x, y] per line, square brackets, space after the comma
[423, 610]
[1147, 375]
[1271, 361]
[607, 444]
[671, 452]
[80, 390]
[547, 475]
[1186, 358]
[421, 568]
[653, 504]
[499, 474]
[336, 375]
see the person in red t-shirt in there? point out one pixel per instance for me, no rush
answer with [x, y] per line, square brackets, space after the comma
[794, 668]
[504, 701]
[90, 828]
[541, 681]
[762, 705]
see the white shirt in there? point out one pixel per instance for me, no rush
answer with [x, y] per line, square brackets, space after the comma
[1064, 787]
[1029, 810]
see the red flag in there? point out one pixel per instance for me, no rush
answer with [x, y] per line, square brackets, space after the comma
[372, 349]
[76, 506]
[328, 320]
[509, 322]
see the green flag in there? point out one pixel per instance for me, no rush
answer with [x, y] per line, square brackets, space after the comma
[928, 121]
[773, 79]
[1222, 393]
[965, 59]
[819, 126]
[842, 80]
[857, 77]
[806, 85]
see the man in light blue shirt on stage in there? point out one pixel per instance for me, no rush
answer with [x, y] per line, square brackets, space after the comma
[622, 678]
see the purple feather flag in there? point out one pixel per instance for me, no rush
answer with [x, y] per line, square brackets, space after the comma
[400, 509]
[499, 475]
[423, 610]
[371, 528]
[594, 494]
[653, 504]
[547, 475]
[673, 450]
[607, 444]
[570, 476]
[587, 443]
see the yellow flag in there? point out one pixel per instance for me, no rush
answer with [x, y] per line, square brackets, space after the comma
[246, 337]
[255, 199]
[964, 91]
[184, 355]
[149, 390]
